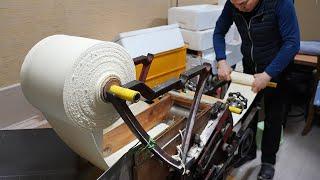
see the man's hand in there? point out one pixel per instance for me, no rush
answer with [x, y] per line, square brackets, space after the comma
[260, 81]
[224, 70]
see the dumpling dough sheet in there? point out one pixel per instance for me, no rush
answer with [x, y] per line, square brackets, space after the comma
[246, 92]
[241, 83]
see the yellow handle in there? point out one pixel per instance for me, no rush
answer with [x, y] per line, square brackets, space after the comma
[125, 93]
[235, 110]
[272, 84]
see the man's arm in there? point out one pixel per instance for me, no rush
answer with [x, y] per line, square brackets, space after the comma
[289, 30]
[222, 27]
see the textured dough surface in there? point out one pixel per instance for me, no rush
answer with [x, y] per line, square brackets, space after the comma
[63, 75]
[242, 83]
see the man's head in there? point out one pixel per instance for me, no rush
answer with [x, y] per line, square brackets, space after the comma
[245, 5]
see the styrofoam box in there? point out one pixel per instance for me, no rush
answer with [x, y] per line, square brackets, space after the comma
[198, 40]
[152, 40]
[195, 17]
[208, 56]
[202, 40]
[222, 2]
[235, 48]
[211, 58]
[232, 35]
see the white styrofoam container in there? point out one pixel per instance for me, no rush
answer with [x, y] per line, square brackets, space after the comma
[202, 40]
[209, 56]
[222, 2]
[198, 40]
[152, 40]
[235, 48]
[195, 17]
[232, 35]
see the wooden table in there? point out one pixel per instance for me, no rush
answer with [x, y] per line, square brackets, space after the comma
[313, 61]
[307, 60]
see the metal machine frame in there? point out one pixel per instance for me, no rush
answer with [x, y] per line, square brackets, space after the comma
[224, 139]
[150, 94]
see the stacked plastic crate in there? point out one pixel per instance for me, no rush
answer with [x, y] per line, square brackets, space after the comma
[197, 24]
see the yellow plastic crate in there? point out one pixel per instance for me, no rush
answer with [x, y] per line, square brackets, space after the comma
[165, 65]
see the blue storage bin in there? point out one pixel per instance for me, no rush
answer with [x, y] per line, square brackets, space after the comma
[317, 96]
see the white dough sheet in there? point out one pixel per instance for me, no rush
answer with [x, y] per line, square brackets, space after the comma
[242, 83]
[63, 75]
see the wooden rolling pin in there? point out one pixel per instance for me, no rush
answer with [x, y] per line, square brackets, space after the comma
[247, 79]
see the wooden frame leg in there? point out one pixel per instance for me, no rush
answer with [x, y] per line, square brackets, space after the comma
[307, 128]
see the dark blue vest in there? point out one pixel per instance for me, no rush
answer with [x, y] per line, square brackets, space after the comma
[261, 39]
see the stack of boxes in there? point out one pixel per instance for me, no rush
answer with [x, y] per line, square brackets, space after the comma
[165, 43]
[197, 23]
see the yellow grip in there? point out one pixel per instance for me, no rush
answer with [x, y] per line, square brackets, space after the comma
[272, 84]
[235, 110]
[125, 93]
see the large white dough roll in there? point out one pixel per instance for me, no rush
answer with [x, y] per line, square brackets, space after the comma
[63, 75]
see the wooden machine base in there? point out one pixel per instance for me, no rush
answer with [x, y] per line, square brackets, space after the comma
[172, 109]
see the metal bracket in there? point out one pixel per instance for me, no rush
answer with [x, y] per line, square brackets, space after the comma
[146, 62]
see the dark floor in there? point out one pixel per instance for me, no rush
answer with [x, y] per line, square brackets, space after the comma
[298, 157]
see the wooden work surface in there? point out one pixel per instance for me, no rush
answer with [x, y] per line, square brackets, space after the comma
[308, 60]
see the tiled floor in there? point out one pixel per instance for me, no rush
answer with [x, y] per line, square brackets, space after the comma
[298, 157]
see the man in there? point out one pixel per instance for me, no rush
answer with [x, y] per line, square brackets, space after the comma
[270, 39]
